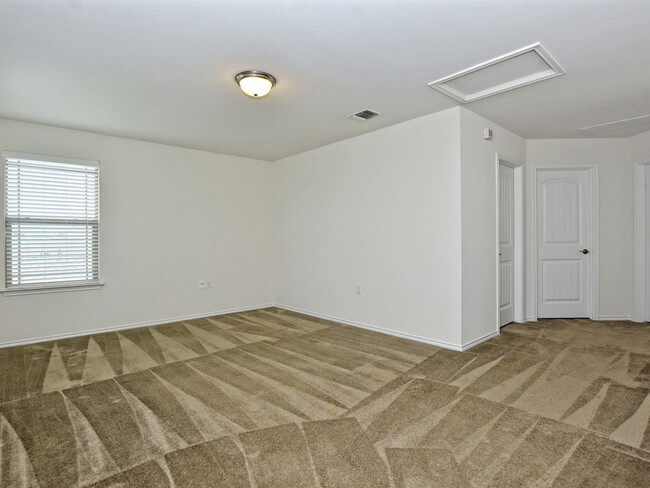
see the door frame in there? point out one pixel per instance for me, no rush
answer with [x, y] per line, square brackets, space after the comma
[592, 169]
[641, 273]
[518, 260]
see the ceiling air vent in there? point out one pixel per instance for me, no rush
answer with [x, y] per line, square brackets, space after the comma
[364, 115]
[519, 68]
[619, 124]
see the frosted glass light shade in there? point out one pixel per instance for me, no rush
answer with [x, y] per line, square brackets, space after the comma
[255, 84]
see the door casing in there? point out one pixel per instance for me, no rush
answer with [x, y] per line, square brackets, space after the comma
[641, 254]
[518, 261]
[593, 186]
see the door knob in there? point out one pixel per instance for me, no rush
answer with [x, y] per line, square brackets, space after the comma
[584, 251]
[500, 253]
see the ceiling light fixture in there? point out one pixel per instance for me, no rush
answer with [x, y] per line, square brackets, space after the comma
[255, 84]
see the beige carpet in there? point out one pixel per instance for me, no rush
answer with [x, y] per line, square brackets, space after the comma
[272, 398]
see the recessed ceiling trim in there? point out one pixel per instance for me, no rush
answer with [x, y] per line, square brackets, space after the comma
[619, 124]
[554, 69]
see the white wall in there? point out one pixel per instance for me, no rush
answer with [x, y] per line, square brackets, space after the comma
[640, 147]
[381, 210]
[479, 219]
[616, 210]
[169, 217]
[408, 212]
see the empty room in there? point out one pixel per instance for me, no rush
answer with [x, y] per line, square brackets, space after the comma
[325, 243]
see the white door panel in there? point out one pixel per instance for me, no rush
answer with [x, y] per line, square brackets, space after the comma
[506, 244]
[564, 218]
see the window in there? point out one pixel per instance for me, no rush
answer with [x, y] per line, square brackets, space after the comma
[51, 222]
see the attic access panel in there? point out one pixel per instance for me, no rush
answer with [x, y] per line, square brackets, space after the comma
[519, 68]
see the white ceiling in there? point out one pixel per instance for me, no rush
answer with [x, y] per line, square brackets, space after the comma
[162, 70]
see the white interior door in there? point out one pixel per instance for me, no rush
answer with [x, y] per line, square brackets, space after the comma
[506, 244]
[564, 222]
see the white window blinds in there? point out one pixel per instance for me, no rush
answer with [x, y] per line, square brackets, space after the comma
[51, 223]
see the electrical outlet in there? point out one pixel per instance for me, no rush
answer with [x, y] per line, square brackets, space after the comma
[358, 289]
[205, 284]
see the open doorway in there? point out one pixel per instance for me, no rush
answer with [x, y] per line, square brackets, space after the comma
[510, 252]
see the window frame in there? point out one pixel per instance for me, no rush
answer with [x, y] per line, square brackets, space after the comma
[44, 287]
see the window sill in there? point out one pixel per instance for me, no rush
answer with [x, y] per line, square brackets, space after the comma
[50, 289]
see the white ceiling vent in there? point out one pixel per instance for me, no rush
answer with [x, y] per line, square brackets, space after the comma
[619, 124]
[513, 70]
[364, 115]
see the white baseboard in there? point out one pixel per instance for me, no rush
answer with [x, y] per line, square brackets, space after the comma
[446, 345]
[614, 317]
[600, 317]
[131, 326]
[476, 342]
